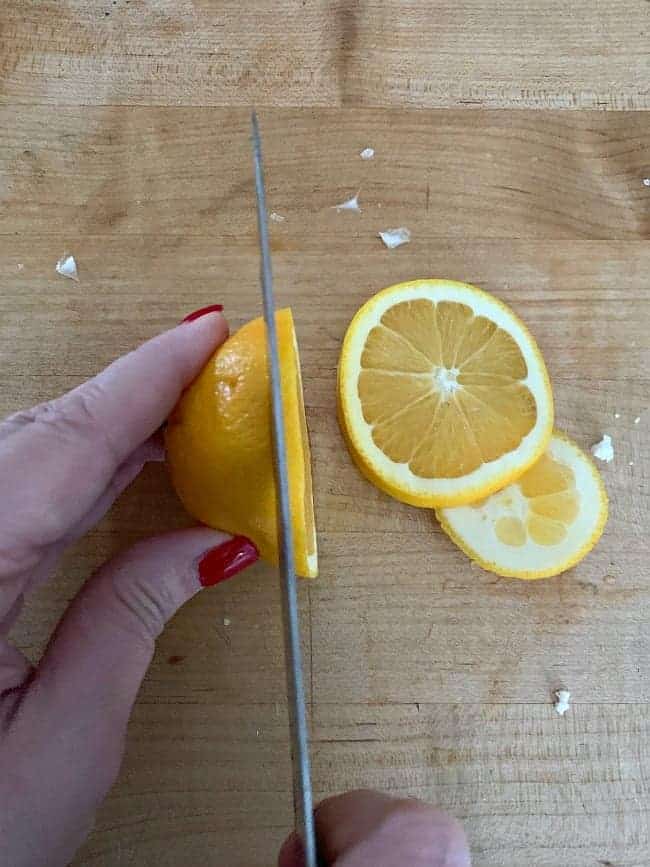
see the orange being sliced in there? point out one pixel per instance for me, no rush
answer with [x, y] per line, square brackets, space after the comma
[219, 444]
[542, 524]
[443, 394]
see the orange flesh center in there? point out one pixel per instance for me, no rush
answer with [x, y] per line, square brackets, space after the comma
[443, 389]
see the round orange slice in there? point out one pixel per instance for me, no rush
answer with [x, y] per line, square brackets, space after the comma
[542, 524]
[443, 393]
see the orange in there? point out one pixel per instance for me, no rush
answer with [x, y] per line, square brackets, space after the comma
[219, 444]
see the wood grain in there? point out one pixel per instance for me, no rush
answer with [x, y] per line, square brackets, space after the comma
[550, 54]
[183, 172]
[425, 676]
[530, 787]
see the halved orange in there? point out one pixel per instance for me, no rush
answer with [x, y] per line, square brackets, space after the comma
[219, 444]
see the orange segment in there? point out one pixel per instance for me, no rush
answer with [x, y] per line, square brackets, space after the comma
[448, 448]
[499, 356]
[400, 436]
[562, 506]
[386, 350]
[548, 476]
[478, 334]
[544, 531]
[219, 444]
[415, 322]
[453, 319]
[384, 395]
[511, 531]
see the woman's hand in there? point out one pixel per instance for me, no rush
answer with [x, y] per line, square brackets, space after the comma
[62, 464]
[367, 829]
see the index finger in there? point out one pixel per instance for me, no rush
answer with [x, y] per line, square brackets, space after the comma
[132, 397]
[57, 459]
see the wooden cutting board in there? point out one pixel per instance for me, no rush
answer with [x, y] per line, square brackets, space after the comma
[124, 140]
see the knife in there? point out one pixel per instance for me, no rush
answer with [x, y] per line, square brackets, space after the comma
[302, 792]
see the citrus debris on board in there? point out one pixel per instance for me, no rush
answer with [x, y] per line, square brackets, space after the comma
[540, 525]
[604, 450]
[219, 444]
[562, 699]
[443, 394]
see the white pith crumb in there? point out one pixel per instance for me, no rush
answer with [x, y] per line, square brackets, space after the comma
[67, 267]
[604, 450]
[562, 697]
[350, 204]
[395, 237]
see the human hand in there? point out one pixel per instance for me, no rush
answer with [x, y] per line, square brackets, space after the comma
[62, 464]
[368, 829]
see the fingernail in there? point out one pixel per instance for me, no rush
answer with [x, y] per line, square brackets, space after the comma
[203, 311]
[227, 560]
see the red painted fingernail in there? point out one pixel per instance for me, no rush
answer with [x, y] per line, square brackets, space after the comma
[197, 314]
[227, 560]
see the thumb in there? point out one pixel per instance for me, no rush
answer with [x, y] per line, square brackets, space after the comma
[70, 724]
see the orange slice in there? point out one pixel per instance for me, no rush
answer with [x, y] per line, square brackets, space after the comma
[443, 394]
[541, 525]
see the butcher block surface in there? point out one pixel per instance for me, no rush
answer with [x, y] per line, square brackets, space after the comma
[124, 141]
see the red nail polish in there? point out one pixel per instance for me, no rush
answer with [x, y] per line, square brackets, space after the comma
[197, 314]
[226, 560]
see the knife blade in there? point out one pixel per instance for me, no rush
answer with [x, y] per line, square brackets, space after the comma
[302, 790]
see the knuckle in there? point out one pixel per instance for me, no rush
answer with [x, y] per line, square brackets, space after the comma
[143, 605]
[23, 418]
[145, 615]
[75, 414]
[72, 418]
[56, 459]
